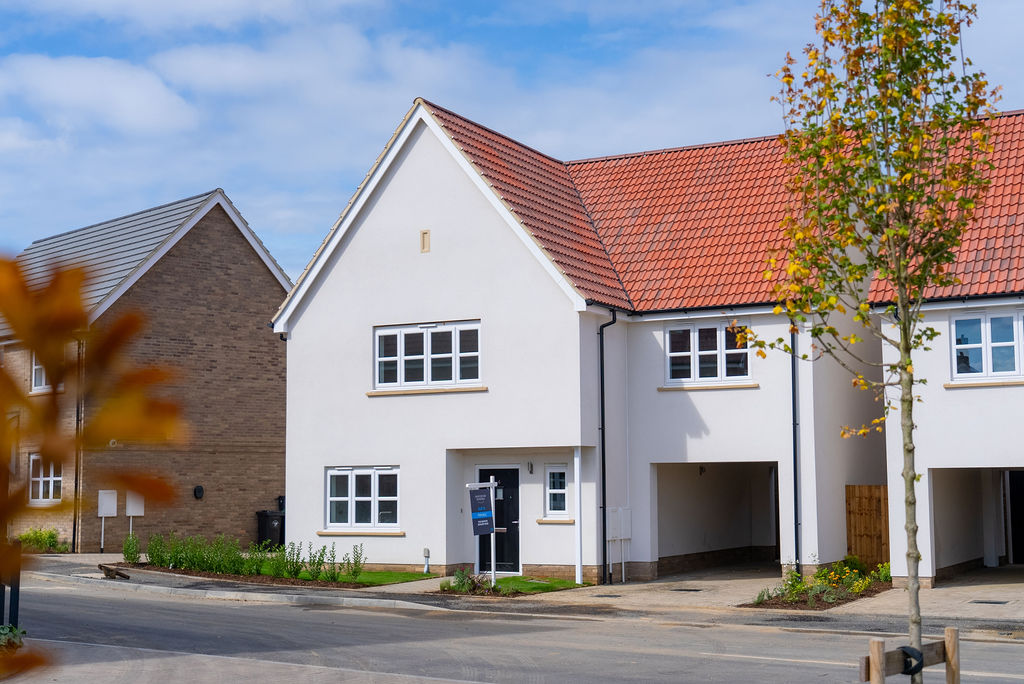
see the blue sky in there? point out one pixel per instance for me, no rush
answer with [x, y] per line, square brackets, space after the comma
[112, 106]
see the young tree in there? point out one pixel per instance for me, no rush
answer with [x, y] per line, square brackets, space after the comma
[126, 401]
[887, 139]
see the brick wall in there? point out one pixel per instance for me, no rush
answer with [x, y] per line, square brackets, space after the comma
[207, 303]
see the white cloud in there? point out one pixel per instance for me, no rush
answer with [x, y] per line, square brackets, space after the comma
[162, 14]
[71, 93]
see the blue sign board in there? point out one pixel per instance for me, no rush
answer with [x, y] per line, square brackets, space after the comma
[480, 508]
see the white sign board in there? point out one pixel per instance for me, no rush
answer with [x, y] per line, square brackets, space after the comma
[134, 504]
[620, 523]
[107, 506]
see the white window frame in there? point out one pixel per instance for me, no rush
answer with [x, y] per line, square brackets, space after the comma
[987, 345]
[548, 490]
[38, 367]
[55, 475]
[456, 354]
[375, 497]
[720, 352]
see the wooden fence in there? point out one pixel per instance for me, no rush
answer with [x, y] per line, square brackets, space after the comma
[867, 523]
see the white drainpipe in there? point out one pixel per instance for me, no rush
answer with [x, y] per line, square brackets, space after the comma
[576, 474]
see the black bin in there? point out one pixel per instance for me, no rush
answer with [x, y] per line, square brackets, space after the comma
[270, 527]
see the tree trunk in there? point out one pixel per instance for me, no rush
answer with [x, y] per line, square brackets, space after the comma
[910, 478]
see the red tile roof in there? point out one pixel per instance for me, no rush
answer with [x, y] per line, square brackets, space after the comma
[693, 227]
[991, 256]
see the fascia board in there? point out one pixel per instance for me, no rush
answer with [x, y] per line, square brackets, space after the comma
[506, 212]
[702, 313]
[254, 242]
[958, 304]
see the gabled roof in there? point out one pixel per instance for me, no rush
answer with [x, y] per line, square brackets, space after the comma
[118, 252]
[990, 261]
[679, 229]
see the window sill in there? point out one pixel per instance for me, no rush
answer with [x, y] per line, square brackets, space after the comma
[48, 503]
[555, 521]
[358, 533]
[962, 384]
[701, 388]
[423, 390]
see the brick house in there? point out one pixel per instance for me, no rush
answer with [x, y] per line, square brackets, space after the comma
[207, 287]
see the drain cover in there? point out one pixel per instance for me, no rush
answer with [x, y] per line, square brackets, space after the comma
[989, 603]
[686, 590]
[607, 595]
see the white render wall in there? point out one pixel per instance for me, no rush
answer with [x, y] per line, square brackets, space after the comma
[478, 268]
[956, 427]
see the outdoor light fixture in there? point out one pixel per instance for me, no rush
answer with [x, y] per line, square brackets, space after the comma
[529, 467]
[198, 491]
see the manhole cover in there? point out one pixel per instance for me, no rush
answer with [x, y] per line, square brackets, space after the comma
[988, 602]
[607, 595]
[686, 590]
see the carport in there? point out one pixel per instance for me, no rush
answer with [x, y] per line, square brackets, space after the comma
[977, 518]
[715, 514]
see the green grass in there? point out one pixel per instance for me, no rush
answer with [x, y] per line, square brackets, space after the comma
[535, 585]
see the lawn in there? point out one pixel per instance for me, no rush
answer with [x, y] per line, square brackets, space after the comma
[369, 578]
[535, 585]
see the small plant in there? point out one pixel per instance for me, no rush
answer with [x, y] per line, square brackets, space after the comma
[352, 564]
[883, 573]
[10, 638]
[254, 560]
[315, 561]
[157, 552]
[463, 581]
[332, 573]
[131, 549]
[293, 560]
[446, 585]
[278, 561]
[42, 541]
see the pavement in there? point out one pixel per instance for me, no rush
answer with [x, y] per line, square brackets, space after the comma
[991, 595]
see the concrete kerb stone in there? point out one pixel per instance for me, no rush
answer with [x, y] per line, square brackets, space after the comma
[227, 595]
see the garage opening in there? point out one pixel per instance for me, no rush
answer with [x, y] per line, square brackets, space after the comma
[714, 515]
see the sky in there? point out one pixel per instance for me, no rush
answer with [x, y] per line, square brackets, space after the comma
[108, 107]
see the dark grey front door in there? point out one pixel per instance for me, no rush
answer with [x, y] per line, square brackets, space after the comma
[506, 515]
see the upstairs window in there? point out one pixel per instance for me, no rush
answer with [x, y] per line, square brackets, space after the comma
[986, 345]
[44, 482]
[704, 353]
[427, 354]
[39, 381]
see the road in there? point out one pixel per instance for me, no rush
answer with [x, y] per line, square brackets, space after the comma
[104, 635]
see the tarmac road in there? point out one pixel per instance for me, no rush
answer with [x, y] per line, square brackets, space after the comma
[100, 634]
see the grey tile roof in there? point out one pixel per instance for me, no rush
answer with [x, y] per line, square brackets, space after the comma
[110, 251]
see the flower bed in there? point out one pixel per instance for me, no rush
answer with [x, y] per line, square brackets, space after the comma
[831, 585]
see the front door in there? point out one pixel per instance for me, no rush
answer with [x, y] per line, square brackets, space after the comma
[1016, 516]
[506, 516]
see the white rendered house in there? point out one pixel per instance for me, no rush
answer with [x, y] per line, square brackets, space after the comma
[970, 498]
[483, 309]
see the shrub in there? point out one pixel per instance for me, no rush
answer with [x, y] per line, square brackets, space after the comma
[293, 559]
[254, 560]
[468, 583]
[131, 549]
[315, 562]
[446, 585]
[352, 564]
[332, 573]
[10, 638]
[157, 552]
[857, 564]
[223, 556]
[883, 573]
[278, 561]
[42, 541]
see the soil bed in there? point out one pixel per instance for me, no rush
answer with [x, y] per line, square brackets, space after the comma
[250, 579]
[779, 603]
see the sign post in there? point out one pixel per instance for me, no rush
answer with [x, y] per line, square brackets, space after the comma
[481, 506]
[134, 505]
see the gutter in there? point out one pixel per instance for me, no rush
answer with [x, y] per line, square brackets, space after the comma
[601, 428]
